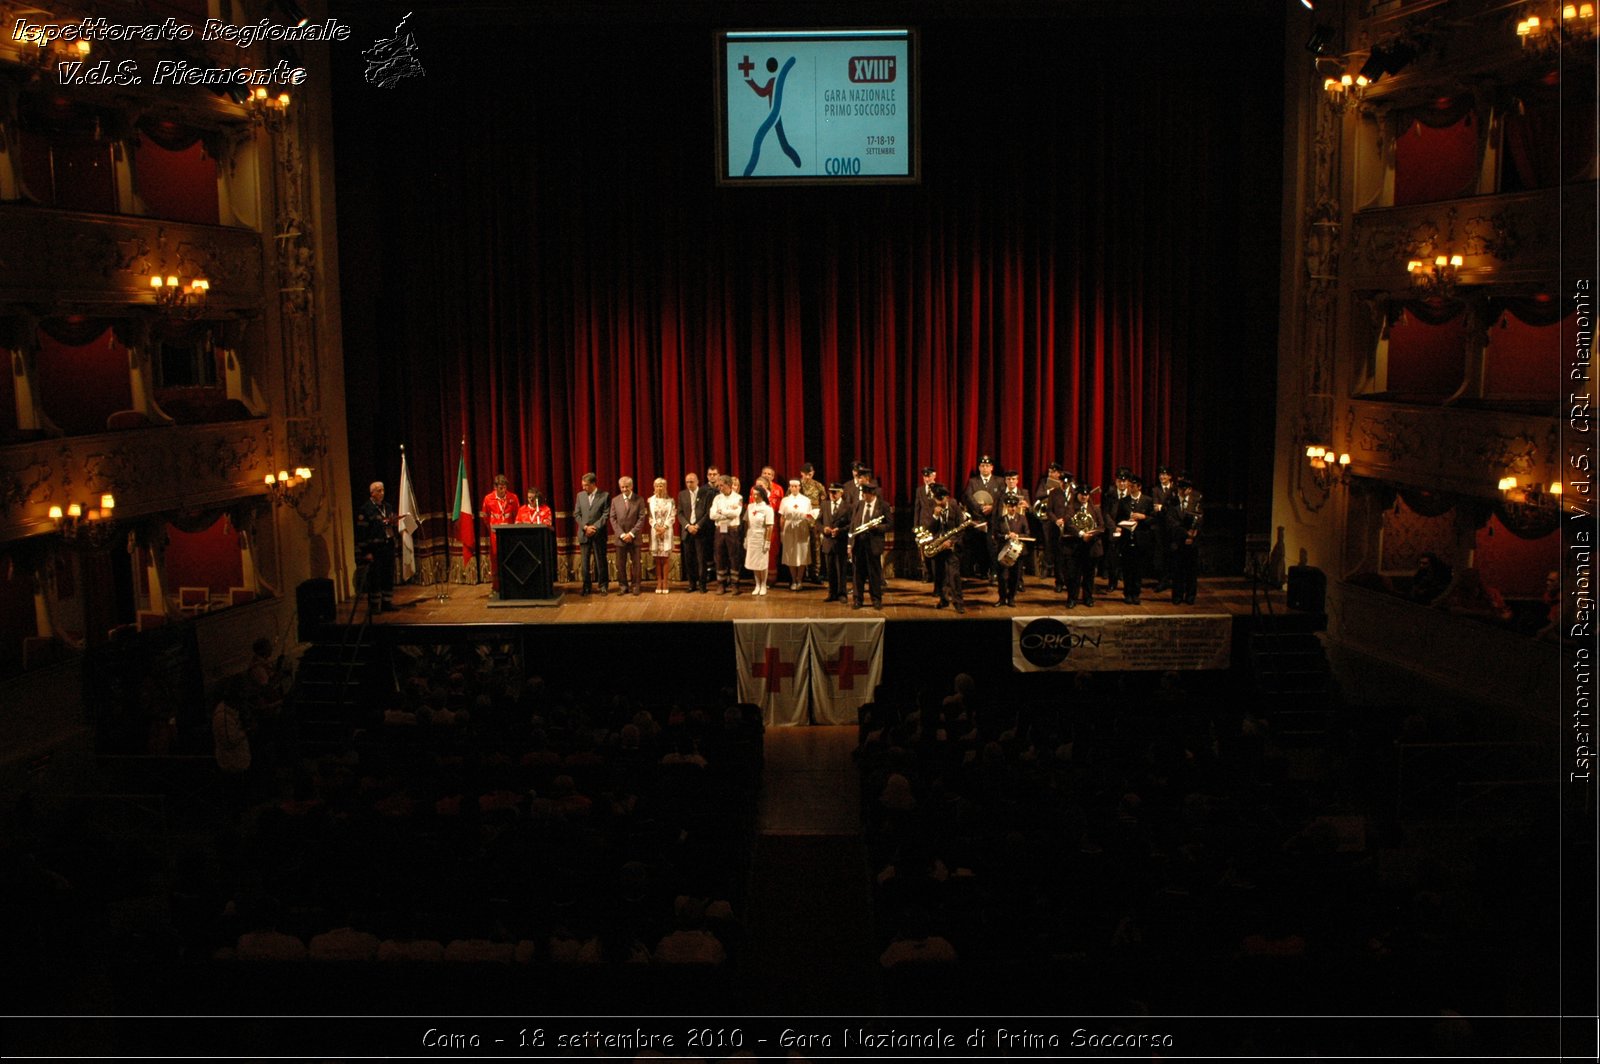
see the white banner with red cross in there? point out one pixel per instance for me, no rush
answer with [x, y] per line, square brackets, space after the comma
[846, 666]
[800, 672]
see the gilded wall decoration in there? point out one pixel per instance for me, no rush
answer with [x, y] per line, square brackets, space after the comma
[1467, 451]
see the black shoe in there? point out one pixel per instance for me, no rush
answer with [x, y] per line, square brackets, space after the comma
[1177, 600]
[1111, 585]
[1135, 600]
[941, 604]
[1188, 602]
[855, 605]
[584, 592]
[1087, 601]
[1129, 600]
[960, 608]
[877, 604]
[1072, 604]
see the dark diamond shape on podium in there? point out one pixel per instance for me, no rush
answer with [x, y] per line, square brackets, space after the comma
[521, 564]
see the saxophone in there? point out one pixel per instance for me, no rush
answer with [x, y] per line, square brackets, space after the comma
[931, 544]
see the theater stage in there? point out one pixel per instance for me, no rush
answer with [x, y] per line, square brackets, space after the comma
[905, 600]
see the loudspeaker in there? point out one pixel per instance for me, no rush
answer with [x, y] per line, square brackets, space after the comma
[314, 603]
[1308, 589]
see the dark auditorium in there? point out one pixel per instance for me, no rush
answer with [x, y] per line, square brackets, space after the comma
[1115, 483]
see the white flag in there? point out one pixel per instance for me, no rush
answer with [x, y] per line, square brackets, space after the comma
[773, 670]
[408, 521]
[846, 666]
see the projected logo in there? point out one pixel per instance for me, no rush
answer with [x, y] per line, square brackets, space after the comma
[770, 90]
[1046, 643]
[872, 69]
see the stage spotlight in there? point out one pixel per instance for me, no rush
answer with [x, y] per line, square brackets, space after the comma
[1309, 5]
[1321, 41]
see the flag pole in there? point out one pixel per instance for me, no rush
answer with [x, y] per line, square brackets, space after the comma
[477, 555]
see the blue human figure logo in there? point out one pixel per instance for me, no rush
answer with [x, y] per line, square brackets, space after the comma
[771, 91]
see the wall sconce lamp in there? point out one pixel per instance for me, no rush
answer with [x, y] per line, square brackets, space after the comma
[266, 109]
[1328, 466]
[96, 527]
[178, 297]
[1438, 277]
[1344, 93]
[1530, 494]
[288, 489]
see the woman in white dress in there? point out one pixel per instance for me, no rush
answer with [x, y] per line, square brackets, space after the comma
[662, 511]
[758, 537]
[797, 515]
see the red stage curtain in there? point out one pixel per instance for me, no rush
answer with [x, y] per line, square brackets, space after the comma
[1086, 274]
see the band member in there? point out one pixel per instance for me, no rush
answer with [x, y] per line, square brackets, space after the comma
[833, 524]
[1083, 542]
[375, 535]
[869, 524]
[922, 513]
[1013, 486]
[1164, 494]
[1135, 517]
[1183, 528]
[630, 522]
[986, 482]
[590, 511]
[694, 522]
[499, 508]
[860, 473]
[1058, 505]
[814, 492]
[947, 514]
[1048, 560]
[534, 511]
[1011, 525]
[1109, 504]
[725, 513]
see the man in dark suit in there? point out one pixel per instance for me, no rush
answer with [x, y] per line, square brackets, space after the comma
[866, 549]
[1136, 516]
[1110, 503]
[1183, 527]
[1011, 524]
[590, 512]
[694, 503]
[1165, 494]
[833, 522]
[375, 533]
[630, 521]
[1047, 561]
[922, 512]
[947, 515]
[987, 482]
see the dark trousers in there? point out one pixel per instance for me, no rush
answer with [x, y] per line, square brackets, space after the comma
[1184, 571]
[946, 568]
[1080, 570]
[869, 575]
[1132, 567]
[1160, 554]
[1009, 579]
[592, 560]
[629, 571]
[833, 570]
[729, 557]
[696, 557]
[1111, 561]
[380, 571]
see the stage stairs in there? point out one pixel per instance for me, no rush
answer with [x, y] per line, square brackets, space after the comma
[1295, 683]
[341, 676]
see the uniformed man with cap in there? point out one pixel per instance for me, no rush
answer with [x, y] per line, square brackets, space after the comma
[988, 483]
[946, 565]
[866, 546]
[1012, 524]
[833, 526]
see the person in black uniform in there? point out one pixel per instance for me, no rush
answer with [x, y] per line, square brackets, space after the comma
[1110, 502]
[1083, 537]
[922, 512]
[946, 565]
[1048, 559]
[866, 548]
[989, 484]
[1184, 518]
[1135, 516]
[1012, 524]
[1165, 494]
[833, 522]
[375, 532]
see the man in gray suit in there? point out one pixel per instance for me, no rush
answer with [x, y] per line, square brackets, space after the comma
[590, 512]
[630, 520]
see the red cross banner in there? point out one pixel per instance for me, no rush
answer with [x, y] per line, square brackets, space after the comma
[773, 669]
[846, 665]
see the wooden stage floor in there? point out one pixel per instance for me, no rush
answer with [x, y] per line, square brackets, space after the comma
[906, 600]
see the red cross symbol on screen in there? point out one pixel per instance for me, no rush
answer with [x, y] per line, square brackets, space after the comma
[773, 670]
[847, 668]
[745, 66]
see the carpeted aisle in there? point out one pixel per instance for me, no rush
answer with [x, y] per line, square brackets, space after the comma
[810, 948]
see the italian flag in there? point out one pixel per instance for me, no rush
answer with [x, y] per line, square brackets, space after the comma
[461, 512]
